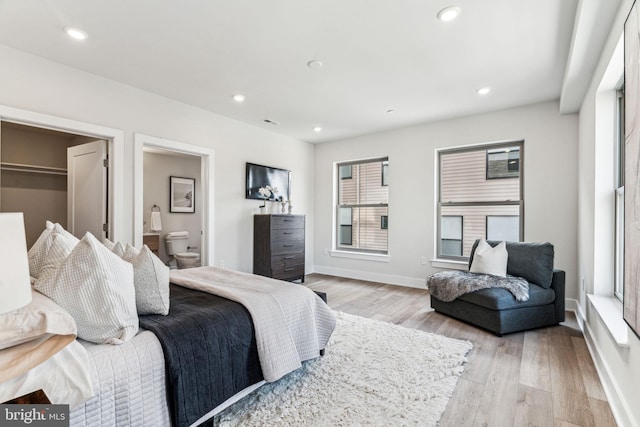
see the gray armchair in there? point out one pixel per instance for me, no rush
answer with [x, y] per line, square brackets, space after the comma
[497, 310]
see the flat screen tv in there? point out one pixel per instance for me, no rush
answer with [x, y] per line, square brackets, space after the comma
[260, 176]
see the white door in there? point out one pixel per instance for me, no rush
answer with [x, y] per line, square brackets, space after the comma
[87, 189]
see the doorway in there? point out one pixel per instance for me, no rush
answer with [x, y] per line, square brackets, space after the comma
[204, 182]
[116, 227]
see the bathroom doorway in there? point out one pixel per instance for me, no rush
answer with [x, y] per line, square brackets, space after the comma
[156, 160]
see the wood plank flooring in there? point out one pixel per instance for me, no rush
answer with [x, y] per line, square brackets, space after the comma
[543, 377]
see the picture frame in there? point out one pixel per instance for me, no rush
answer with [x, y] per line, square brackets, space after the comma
[182, 195]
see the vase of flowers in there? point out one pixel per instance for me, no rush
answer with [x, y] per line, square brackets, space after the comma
[267, 193]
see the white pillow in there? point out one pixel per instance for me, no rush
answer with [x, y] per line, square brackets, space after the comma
[488, 260]
[108, 243]
[39, 252]
[96, 287]
[118, 249]
[59, 248]
[129, 253]
[151, 279]
[32, 335]
[36, 253]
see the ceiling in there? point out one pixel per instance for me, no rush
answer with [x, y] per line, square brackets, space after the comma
[377, 55]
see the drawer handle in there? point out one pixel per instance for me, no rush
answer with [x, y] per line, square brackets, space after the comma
[288, 245]
[288, 257]
[288, 269]
[287, 220]
[287, 232]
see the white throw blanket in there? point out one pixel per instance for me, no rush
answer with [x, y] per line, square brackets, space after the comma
[292, 324]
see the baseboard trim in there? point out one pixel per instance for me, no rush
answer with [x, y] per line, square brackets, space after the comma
[618, 405]
[390, 279]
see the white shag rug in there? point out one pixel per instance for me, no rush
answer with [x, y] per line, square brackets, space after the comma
[372, 373]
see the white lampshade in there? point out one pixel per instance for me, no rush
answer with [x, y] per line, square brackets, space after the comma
[15, 284]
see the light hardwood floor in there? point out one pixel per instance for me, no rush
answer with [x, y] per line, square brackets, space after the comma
[543, 377]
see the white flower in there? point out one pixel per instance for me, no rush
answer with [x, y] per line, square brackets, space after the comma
[267, 191]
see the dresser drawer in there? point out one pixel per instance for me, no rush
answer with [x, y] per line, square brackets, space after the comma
[288, 272]
[279, 262]
[283, 234]
[287, 221]
[287, 247]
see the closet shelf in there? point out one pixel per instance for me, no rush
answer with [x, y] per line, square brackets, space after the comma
[19, 167]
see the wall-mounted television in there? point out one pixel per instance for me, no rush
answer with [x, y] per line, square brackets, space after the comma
[260, 176]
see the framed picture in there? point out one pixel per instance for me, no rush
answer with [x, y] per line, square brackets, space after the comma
[182, 195]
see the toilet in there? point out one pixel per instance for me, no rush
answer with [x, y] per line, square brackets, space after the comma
[177, 245]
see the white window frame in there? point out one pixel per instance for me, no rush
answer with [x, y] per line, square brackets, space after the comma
[359, 253]
[618, 290]
[440, 204]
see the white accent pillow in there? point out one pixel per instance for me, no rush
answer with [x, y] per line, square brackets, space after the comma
[129, 252]
[108, 243]
[151, 279]
[118, 249]
[96, 287]
[33, 334]
[39, 252]
[488, 260]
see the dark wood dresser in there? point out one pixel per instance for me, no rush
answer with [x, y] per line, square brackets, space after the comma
[278, 246]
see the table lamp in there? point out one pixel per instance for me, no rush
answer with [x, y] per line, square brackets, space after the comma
[15, 284]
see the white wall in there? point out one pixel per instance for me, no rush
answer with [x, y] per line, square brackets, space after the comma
[550, 188]
[35, 84]
[619, 367]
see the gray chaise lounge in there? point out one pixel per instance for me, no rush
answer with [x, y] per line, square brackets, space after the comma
[498, 311]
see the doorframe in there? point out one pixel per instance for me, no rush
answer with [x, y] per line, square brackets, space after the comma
[115, 138]
[206, 155]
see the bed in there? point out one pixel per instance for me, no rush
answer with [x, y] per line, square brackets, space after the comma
[216, 337]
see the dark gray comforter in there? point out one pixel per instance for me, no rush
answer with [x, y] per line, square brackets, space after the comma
[209, 349]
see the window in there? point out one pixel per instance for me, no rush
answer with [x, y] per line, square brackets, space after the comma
[503, 227]
[363, 206]
[345, 172]
[385, 177]
[451, 235]
[503, 163]
[619, 196]
[479, 197]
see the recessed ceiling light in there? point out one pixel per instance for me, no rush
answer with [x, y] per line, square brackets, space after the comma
[314, 64]
[483, 90]
[449, 13]
[76, 33]
[238, 97]
[317, 129]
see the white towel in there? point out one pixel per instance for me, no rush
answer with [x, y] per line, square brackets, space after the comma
[156, 221]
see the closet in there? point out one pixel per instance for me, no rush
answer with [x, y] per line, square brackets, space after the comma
[33, 174]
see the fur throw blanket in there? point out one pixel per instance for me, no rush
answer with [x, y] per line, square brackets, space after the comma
[449, 285]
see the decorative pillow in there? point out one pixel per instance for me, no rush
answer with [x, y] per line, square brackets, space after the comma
[96, 287]
[32, 334]
[60, 246]
[151, 279]
[36, 253]
[108, 243]
[488, 260]
[530, 260]
[39, 252]
[118, 249]
[129, 253]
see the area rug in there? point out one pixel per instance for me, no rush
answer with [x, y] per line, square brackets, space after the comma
[373, 373]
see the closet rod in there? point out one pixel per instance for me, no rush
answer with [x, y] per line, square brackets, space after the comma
[18, 167]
